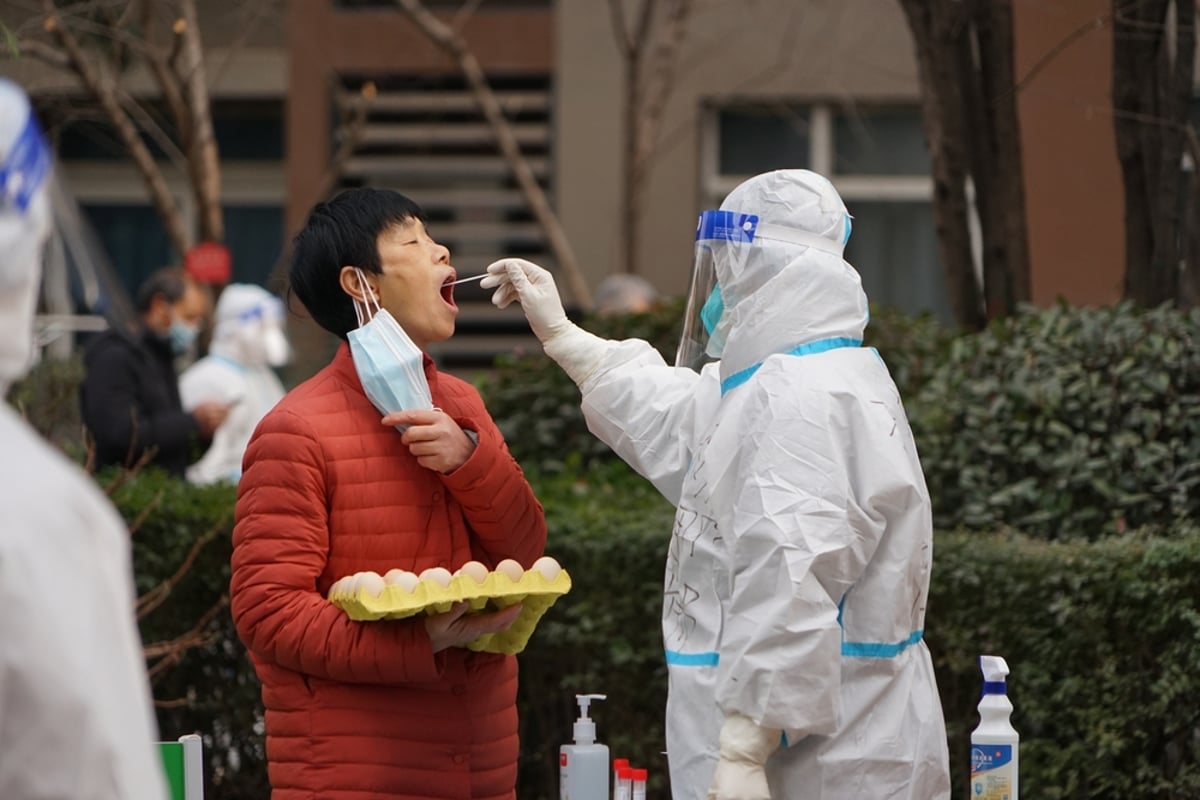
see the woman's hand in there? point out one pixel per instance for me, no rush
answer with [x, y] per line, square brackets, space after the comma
[434, 438]
[455, 628]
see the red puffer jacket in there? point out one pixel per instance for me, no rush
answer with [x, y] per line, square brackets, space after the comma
[366, 710]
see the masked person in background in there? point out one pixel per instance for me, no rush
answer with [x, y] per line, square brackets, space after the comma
[75, 713]
[248, 340]
[332, 486]
[798, 569]
[130, 392]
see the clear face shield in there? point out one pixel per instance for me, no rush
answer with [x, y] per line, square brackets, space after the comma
[726, 235]
[726, 244]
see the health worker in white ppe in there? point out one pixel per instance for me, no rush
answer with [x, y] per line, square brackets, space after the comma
[248, 340]
[798, 568]
[75, 708]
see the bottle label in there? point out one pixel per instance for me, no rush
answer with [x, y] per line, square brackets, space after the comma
[992, 772]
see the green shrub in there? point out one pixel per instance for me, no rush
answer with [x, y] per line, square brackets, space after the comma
[48, 399]
[912, 347]
[1103, 641]
[1066, 422]
[203, 681]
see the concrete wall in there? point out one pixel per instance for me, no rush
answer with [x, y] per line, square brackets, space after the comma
[795, 49]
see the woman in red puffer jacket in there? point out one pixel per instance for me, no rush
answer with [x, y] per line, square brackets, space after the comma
[391, 709]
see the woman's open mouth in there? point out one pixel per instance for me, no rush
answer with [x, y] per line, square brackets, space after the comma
[448, 292]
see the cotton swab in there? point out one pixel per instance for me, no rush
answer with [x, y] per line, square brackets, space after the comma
[465, 280]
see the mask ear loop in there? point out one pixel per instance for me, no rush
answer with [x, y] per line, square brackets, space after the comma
[365, 314]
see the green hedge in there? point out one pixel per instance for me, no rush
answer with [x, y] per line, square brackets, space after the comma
[182, 536]
[1103, 639]
[1065, 422]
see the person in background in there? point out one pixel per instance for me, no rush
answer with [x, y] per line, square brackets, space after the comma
[130, 393]
[378, 462]
[75, 710]
[623, 293]
[248, 341]
[798, 569]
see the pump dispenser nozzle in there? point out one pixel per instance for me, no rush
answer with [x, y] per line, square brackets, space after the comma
[585, 726]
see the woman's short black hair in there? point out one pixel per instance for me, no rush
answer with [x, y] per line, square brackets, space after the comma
[343, 232]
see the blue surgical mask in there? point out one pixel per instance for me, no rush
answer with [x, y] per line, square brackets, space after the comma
[181, 336]
[714, 307]
[389, 364]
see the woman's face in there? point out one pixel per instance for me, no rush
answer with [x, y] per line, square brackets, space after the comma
[413, 285]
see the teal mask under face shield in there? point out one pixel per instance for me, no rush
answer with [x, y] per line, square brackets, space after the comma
[725, 242]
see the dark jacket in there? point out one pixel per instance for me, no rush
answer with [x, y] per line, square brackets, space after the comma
[130, 402]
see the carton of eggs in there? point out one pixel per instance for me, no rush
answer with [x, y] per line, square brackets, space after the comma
[367, 596]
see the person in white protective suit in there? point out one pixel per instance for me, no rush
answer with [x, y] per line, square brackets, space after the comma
[798, 569]
[75, 706]
[248, 340]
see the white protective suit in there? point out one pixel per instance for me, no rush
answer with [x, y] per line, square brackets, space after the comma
[798, 568]
[248, 340]
[75, 709]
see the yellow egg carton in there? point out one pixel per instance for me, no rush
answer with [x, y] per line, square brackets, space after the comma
[367, 596]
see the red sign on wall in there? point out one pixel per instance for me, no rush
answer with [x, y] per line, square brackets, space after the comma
[209, 262]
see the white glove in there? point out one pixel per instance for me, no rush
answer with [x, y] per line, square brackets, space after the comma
[741, 773]
[576, 351]
[533, 287]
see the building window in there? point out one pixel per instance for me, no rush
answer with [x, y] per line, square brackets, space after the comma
[875, 156]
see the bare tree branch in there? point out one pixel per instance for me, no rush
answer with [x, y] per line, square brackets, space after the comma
[616, 11]
[147, 123]
[202, 149]
[172, 651]
[160, 64]
[44, 52]
[156, 596]
[451, 43]
[98, 80]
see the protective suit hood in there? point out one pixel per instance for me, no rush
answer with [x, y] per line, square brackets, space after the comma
[783, 294]
[249, 327]
[24, 226]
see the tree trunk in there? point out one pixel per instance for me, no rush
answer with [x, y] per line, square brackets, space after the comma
[1006, 242]
[202, 143]
[936, 28]
[1152, 87]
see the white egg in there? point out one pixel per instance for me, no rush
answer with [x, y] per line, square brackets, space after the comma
[438, 575]
[403, 578]
[474, 570]
[548, 567]
[337, 587]
[351, 583]
[511, 568]
[371, 583]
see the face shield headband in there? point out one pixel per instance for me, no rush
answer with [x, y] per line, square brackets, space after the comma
[725, 242]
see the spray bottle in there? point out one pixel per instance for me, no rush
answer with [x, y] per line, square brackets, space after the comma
[994, 743]
[583, 767]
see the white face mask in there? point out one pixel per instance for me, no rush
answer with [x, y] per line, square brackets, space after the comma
[388, 362]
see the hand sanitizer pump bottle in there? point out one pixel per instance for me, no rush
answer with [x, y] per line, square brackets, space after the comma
[583, 767]
[994, 743]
